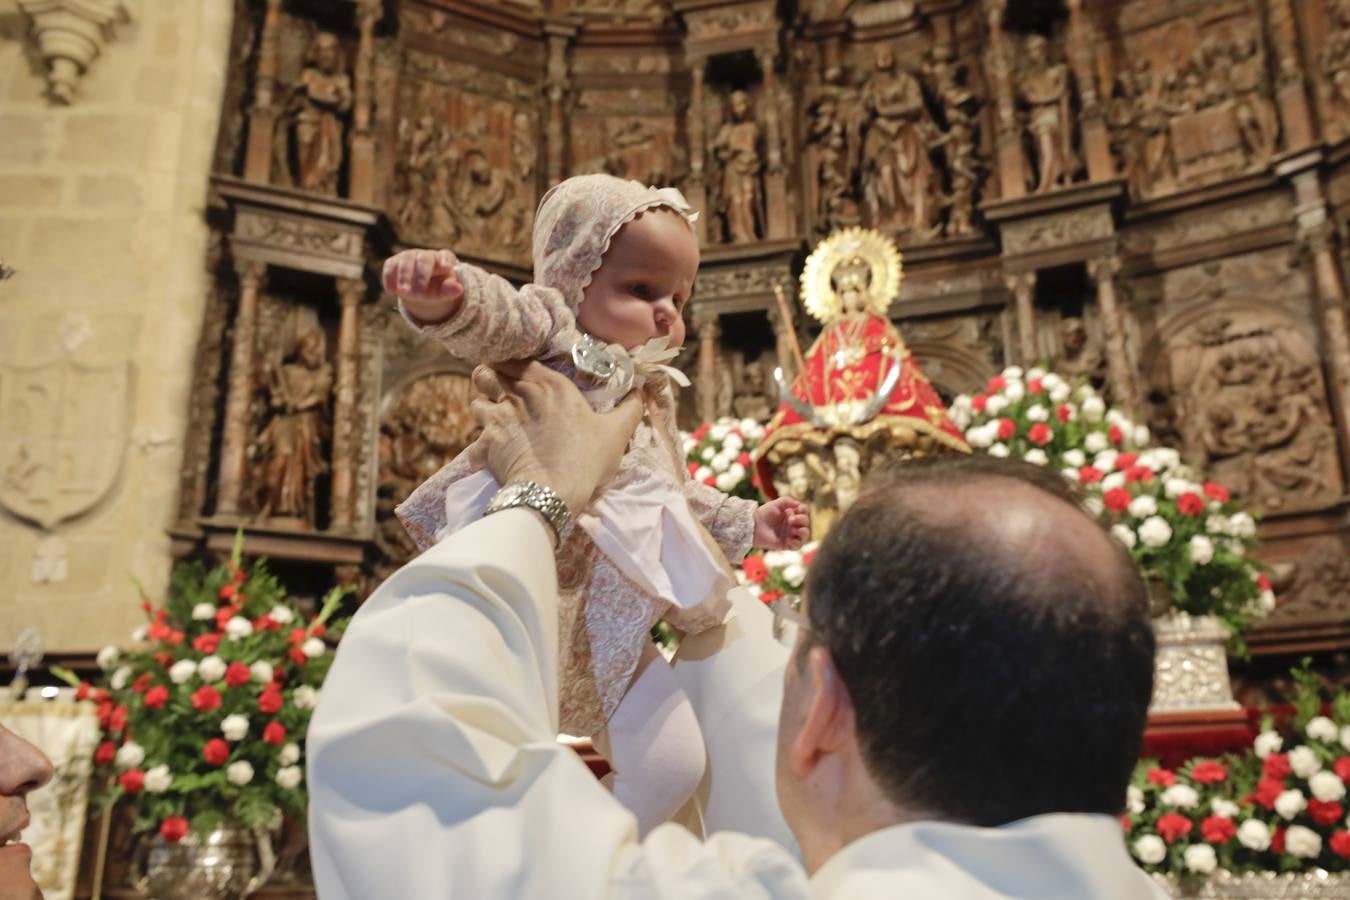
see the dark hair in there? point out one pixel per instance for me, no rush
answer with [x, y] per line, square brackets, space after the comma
[991, 681]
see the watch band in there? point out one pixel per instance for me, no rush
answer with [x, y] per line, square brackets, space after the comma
[541, 499]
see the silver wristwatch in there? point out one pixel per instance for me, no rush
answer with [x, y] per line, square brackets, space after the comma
[541, 499]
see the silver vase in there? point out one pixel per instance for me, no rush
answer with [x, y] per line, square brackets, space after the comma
[1313, 885]
[1190, 671]
[229, 863]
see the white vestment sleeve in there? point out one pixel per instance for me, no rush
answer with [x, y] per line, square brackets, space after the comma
[433, 766]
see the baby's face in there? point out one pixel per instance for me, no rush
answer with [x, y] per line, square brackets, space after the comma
[641, 288]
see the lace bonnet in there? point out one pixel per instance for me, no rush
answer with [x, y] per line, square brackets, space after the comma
[577, 219]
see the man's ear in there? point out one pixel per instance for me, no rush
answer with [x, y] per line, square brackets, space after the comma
[828, 724]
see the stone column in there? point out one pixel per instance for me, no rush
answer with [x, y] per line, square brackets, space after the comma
[1291, 92]
[262, 116]
[555, 93]
[352, 293]
[1125, 392]
[239, 391]
[1012, 173]
[361, 164]
[1318, 235]
[1023, 288]
[709, 329]
[776, 217]
[1092, 121]
[697, 189]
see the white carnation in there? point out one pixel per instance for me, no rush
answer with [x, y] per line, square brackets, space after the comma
[1071, 473]
[1217, 525]
[182, 670]
[1012, 373]
[1093, 408]
[261, 671]
[1037, 373]
[289, 777]
[129, 755]
[203, 611]
[1142, 436]
[1290, 803]
[1038, 413]
[995, 405]
[139, 634]
[1182, 796]
[1059, 393]
[707, 454]
[158, 779]
[1143, 506]
[1345, 736]
[1304, 761]
[1105, 461]
[1327, 787]
[1075, 458]
[794, 574]
[1320, 728]
[1254, 835]
[1202, 549]
[1036, 456]
[1125, 534]
[1200, 858]
[108, 657]
[733, 443]
[726, 481]
[1302, 842]
[703, 474]
[737, 471]
[238, 627]
[1226, 809]
[718, 432]
[1094, 506]
[1150, 849]
[305, 697]
[313, 648]
[979, 437]
[1015, 391]
[1242, 525]
[120, 678]
[1155, 532]
[720, 464]
[239, 773]
[1266, 743]
[999, 450]
[281, 614]
[289, 755]
[234, 727]
[1112, 481]
[212, 668]
[1134, 800]
[1266, 600]
[1095, 442]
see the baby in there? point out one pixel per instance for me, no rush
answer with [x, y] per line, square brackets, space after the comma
[614, 267]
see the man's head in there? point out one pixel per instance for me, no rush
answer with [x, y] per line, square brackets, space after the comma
[979, 651]
[23, 769]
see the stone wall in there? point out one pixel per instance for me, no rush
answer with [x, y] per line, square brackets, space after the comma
[101, 214]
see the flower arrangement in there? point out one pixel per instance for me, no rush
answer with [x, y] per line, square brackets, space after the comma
[1265, 809]
[776, 573]
[718, 454]
[1185, 533]
[204, 720]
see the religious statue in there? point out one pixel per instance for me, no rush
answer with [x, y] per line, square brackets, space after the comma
[959, 108]
[309, 141]
[1334, 62]
[899, 182]
[488, 206]
[858, 388]
[1079, 356]
[737, 147]
[1257, 119]
[752, 402]
[1043, 87]
[291, 444]
[832, 172]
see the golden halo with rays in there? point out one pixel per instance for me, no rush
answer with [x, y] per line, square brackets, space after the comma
[880, 254]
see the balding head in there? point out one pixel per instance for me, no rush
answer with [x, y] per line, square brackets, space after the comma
[994, 639]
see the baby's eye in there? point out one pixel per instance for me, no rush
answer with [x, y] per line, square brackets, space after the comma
[642, 290]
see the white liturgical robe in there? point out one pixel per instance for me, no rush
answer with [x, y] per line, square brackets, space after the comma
[435, 773]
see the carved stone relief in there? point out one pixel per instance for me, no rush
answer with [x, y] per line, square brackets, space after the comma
[737, 147]
[1242, 386]
[1043, 90]
[1333, 63]
[70, 34]
[310, 143]
[1316, 585]
[289, 450]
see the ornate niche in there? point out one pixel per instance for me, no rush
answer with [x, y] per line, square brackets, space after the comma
[1191, 99]
[467, 168]
[1241, 385]
[1327, 30]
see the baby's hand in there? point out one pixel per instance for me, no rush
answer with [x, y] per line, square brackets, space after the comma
[425, 281]
[782, 524]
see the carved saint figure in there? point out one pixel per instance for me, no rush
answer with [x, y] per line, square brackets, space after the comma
[832, 175]
[309, 138]
[959, 106]
[899, 184]
[753, 401]
[291, 444]
[847, 471]
[1334, 62]
[1043, 87]
[1256, 114]
[1079, 356]
[737, 147]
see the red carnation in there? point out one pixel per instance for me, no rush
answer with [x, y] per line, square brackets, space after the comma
[744, 459]
[82, 692]
[274, 733]
[701, 431]
[266, 623]
[206, 643]
[1141, 474]
[174, 829]
[978, 402]
[1217, 829]
[1209, 772]
[1325, 812]
[156, 697]
[1064, 413]
[1034, 386]
[224, 615]
[1342, 768]
[1173, 825]
[1340, 843]
[238, 576]
[164, 658]
[1115, 434]
[1267, 792]
[807, 559]
[1117, 499]
[141, 684]
[216, 751]
[755, 569]
[269, 701]
[710, 481]
[104, 713]
[1124, 822]
[1126, 460]
[205, 698]
[145, 605]
[158, 631]
[1277, 839]
[226, 592]
[106, 753]
[996, 384]
[1006, 429]
[693, 468]
[117, 720]
[131, 781]
[1276, 765]
[1216, 492]
[770, 596]
[297, 636]
[1089, 475]
[237, 674]
[297, 656]
[1190, 504]
[1040, 434]
[317, 629]
[1161, 777]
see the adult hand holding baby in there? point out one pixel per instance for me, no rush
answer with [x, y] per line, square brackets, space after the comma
[425, 281]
